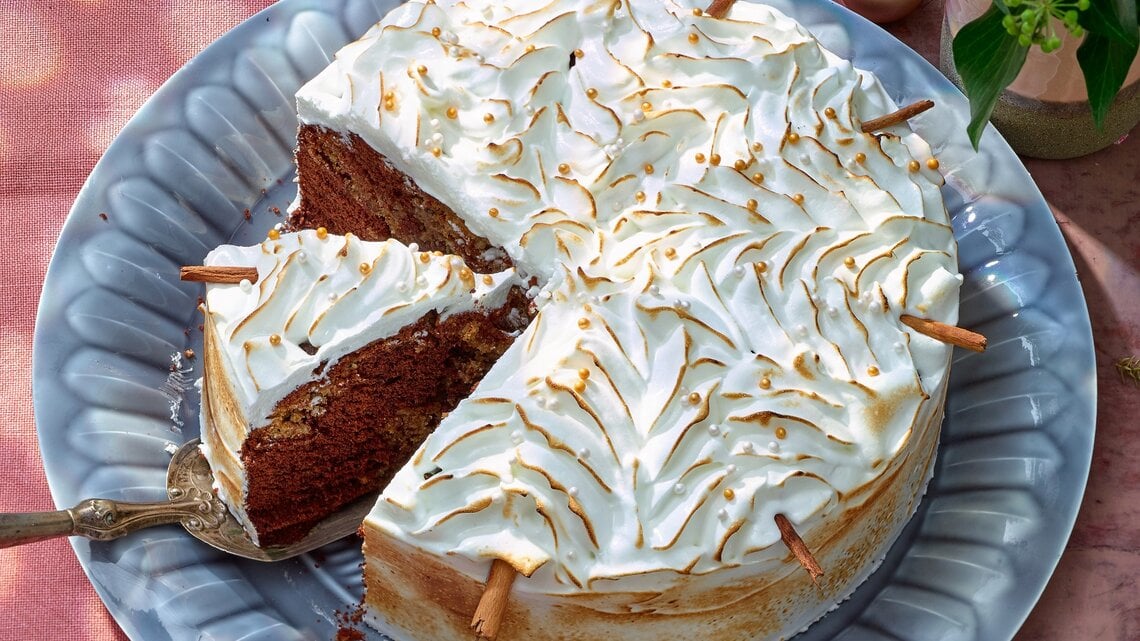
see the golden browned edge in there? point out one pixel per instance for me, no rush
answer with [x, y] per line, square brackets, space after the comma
[219, 409]
[423, 597]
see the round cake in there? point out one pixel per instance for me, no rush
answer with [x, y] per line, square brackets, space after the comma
[717, 259]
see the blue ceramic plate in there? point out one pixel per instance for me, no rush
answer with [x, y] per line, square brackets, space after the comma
[217, 140]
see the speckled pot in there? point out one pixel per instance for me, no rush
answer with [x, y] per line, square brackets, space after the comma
[1045, 111]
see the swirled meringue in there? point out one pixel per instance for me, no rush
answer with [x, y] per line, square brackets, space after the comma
[723, 258]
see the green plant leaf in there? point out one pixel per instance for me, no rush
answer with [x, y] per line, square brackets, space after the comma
[988, 58]
[1115, 19]
[1105, 63]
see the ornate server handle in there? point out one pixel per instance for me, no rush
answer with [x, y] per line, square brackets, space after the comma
[98, 519]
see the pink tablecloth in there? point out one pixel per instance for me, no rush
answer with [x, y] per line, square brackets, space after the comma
[73, 71]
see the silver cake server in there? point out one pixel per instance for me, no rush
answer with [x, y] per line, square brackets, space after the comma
[189, 485]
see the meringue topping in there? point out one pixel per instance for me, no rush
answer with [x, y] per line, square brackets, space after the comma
[717, 244]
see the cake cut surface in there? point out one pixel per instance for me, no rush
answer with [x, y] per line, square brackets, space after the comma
[718, 257]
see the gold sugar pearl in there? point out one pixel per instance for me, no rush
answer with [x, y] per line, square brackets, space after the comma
[466, 274]
[640, 196]
[488, 118]
[578, 53]
[756, 146]
[781, 433]
[694, 38]
[694, 398]
[699, 157]
[648, 168]
[860, 158]
[757, 177]
[452, 113]
[752, 204]
[389, 95]
[583, 323]
[580, 386]
[872, 371]
[647, 106]
[322, 233]
[932, 164]
[829, 112]
[435, 31]
[425, 258]
[529, 48]
[765, 383]
[697, 11]
[365, 268]
[563, 168]
[729, 494]
[493, 212]
[793, 138]
[849, 262]
[436, 151]
[670, 252]
[422, 70]
[274, 339]
[591, 93]
[913, 166]
[390, 104]
[762, 267]
[714, 159]
[798, 198]
[584, 373]
[274, 234]
[488, 280]
[739, 165]
[666, 83]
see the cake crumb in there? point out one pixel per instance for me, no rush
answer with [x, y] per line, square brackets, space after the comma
[103, 215]
[347, 623]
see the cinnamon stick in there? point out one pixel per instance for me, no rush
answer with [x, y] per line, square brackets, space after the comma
[218, 274]
[719, 8]
[946, 333]
[895, 117]
[798, 548]
[489, 613]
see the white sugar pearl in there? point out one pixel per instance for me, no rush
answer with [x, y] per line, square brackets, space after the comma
[245, 285]
[584, 453]
[572, 491]
[516, 437]
[714, 429]
[679, 488]
[773, 446]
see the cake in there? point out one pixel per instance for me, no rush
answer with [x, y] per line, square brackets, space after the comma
[323, 376]
[719, 262]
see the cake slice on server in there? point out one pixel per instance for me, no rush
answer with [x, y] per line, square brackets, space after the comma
[325, 371]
